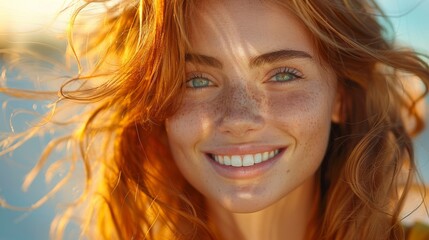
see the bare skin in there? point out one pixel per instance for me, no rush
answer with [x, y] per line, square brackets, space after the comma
[255, 87]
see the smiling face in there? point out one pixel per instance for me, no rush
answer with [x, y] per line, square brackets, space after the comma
[255, 120]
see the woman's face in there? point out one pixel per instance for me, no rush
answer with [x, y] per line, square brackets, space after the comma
[255, 120]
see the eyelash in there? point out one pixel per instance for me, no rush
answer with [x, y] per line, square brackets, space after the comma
[197, 76]
[292, 71]
[295, 74]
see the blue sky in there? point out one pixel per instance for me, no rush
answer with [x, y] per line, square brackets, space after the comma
[410, 19]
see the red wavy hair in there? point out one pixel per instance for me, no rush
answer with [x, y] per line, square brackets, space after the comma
[135, 191]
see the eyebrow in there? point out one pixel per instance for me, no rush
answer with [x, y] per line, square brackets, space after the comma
[265, 58]
[203, 60]
[276, 56]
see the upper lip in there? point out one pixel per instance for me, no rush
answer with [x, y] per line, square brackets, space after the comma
[243, 149]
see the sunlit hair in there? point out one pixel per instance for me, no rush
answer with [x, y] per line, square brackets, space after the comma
[135, 191]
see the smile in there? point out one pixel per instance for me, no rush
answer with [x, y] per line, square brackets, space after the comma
[244, 160]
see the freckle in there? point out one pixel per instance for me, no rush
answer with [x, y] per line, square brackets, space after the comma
[288, 171]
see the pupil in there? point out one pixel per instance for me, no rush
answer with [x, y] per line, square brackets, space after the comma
[199, 82]
[282, 77]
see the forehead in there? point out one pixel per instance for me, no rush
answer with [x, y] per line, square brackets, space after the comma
[246, 27]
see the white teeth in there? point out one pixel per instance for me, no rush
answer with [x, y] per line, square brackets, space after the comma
[265, 156]
[245, 160]
[226, 160]
[236, 161]
[258, 158]
[248, 160]
[221, 161]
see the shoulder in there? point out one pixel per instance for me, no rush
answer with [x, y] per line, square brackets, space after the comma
[418, 231]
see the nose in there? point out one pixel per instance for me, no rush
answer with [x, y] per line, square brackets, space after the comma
[241, 112]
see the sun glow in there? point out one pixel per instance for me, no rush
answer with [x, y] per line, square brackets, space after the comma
[25, 16]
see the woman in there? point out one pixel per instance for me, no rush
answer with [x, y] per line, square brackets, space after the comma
[246, 120]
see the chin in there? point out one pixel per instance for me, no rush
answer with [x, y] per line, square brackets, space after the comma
[246, 202]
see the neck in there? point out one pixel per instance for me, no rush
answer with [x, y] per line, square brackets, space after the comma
[288, 218]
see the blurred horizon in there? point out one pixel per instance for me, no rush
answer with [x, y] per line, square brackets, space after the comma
[35, 24]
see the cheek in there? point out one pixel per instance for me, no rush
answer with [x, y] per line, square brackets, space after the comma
[299, 108]
[190, 123]
[186, 129]
[305, 117]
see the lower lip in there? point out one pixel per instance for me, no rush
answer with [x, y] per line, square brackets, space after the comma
[253, 171]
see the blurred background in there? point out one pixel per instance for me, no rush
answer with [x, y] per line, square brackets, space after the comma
[36, 25]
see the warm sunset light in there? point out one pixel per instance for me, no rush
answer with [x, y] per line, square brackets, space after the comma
[24, 16]
[226, 119]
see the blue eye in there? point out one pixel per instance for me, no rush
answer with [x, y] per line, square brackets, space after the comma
[285, 75]
[198, 82]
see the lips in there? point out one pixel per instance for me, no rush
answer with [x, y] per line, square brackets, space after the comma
[244, 160]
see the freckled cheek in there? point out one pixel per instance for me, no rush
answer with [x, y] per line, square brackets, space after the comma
[300, 112]
[304, 118]
[191, 122]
